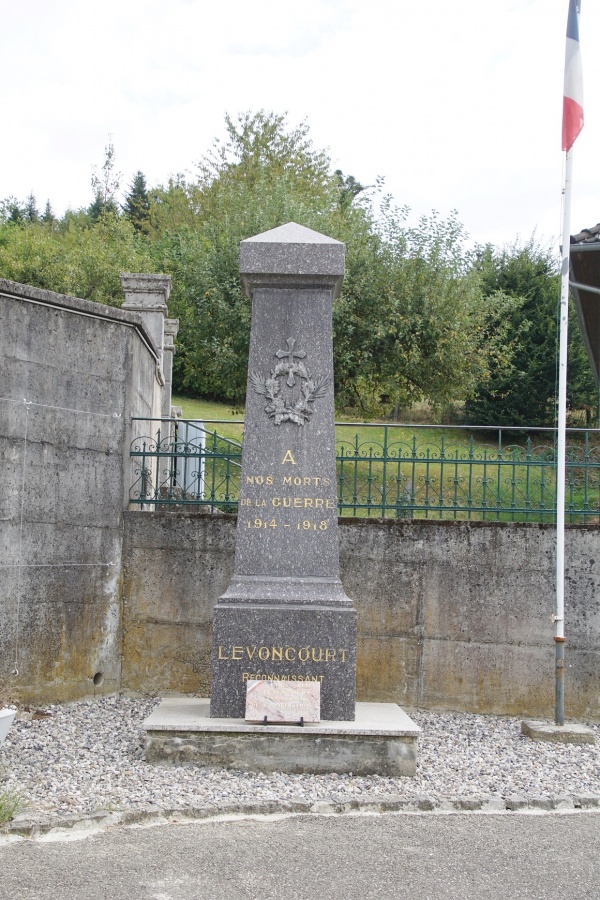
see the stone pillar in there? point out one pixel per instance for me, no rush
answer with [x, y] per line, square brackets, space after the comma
[171, 327]
[285, 614]
[148, 295]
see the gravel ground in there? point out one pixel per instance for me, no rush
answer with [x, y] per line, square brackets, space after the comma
[88, 756]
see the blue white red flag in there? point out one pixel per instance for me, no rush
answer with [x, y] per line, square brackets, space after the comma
[573, 93]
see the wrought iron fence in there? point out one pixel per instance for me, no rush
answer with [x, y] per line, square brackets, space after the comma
[181, 461]
[431, 472]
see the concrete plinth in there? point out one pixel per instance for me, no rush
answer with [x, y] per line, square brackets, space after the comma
[570, 733]
[382, 740]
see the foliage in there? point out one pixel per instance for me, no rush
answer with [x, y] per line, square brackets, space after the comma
[521, 285]
[105, 184]
[407, 323]
[48, 217]
[349, 188]
[137, 203]
[31, 213]
[82, 260]
[582, 390]
[11, 211]
[259, 142]
[11, 803]
[259, 178]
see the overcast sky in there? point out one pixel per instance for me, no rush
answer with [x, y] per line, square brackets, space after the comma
[457, 103]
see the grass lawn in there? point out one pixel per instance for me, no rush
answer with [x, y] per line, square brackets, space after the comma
[206, 409]
[367, 434]
[209, 411]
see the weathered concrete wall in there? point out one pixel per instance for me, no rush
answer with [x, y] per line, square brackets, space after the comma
[175, 566]
[450, 615]
[72, 375]
[459, 616]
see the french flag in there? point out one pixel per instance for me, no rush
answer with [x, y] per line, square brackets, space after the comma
[572, 122]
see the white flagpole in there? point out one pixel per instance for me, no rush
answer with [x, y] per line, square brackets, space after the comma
[559, 617]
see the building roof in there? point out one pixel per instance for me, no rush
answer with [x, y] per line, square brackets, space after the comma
[585, 273]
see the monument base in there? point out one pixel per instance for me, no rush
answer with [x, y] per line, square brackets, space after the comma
[283, 643]
[382, 740]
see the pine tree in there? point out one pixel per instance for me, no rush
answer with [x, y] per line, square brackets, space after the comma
[48, 217]
[137, 203]
[32, 213]
[15, 213]
[97, 207]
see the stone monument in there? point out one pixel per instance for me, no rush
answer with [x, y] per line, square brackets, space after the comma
[284, 618]
[285, 615]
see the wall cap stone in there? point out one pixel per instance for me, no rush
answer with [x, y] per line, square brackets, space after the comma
[17, 291]
[145, 290]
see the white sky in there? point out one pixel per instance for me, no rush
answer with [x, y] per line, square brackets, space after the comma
[457, 103]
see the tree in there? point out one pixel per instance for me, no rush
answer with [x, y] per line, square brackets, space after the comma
[582, 390]
[261, 176]
[75, 258]
[407, 325]
[11, 211]
[349, 188]
[31, 212]
[520, 386]
[408, 320]
[262, 141]
[105, 184]
[137, 203]
[48, 217]
[96, 208]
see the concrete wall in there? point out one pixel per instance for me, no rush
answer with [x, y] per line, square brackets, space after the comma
[72, 374]
[450, 615]
[175, 566]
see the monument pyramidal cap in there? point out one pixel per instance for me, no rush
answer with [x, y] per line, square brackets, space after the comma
[285, 615]
[293, 252]
[291, 233]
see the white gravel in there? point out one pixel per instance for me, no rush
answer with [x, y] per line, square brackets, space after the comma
[89, 756]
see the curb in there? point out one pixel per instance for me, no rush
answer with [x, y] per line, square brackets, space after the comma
[30, 826]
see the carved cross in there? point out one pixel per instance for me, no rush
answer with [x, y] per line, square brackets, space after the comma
[290, 353]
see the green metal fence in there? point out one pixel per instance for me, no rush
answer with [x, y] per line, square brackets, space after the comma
[384, 471]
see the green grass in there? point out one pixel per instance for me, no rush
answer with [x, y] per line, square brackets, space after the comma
[207, 410]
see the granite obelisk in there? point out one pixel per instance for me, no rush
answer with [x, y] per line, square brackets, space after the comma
[285, 615]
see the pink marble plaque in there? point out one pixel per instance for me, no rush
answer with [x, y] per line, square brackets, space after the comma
[283, 701]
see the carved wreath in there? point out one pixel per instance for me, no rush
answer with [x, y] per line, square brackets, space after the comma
[279, 408]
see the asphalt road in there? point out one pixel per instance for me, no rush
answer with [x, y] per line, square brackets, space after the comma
[310, 857]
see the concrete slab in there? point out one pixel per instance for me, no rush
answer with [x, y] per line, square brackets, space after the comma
[570, 733]
[382, 740]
